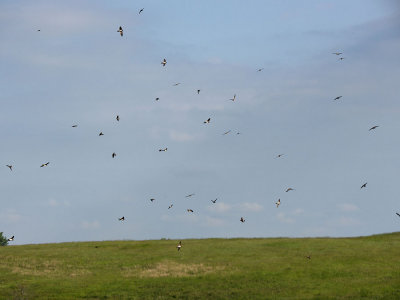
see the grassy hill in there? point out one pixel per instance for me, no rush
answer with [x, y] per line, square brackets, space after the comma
[273, 268]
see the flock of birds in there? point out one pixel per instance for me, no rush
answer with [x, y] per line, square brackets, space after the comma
[207, 121]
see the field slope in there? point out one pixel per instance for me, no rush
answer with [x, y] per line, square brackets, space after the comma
[273, 268]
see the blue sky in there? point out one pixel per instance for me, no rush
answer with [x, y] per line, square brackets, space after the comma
[78, 70]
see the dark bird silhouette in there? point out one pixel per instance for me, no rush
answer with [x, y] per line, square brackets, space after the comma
[213, 201]
[121, 31]
[190, 210]
[308, 256]
[242, 220]
[373, 127]
[190, 195]
[117, 118]
[74, 126]
[341, 58]
[141, 10]
[38, 30]
[337, 53]
[279, 155]
[226, 132]
[152, 199]
[10, 239]
[164, 62]
[122, 218]
[44, 165]
[364, 185]
[278, 203]
[338, 97]
[163, 150]
[114, 155]
[259, 70]
[101, 133]
[289, 189]
[179, 246]
[398, 214]
[198, 92]
[10, 167]
[157, 99]
[170, 206]
[207, 121]
[176, 84]
[234, 98]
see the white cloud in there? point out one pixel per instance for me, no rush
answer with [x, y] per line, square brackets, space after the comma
[284, 219]
[180, 136]
[347, 207]
[213, 222]
[298, 211]
[10, 216]
[345, 221]
[219, 207]
[90, 225]
[252, 207]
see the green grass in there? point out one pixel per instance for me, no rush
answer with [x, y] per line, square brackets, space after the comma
[275, 268]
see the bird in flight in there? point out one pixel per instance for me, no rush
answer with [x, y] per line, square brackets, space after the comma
[364, 185]
[179, 246]
[190, 210]
[242, 220]
[198, 92]
[308, 256]
[117, 118]
[121, 31]
[152, 199]
[373, 127]
[337, 53]
[278, 203]
[38, 30]
[398, 214]
[10, 167]
[338, 97]
[141, 10]
[164, 62]
[122, 218]
[170, 206]
[74, 126]
[157, 99]
[10, 239]
[226, 132]
[289, 189]
[213, 201]
[114, 155]
[176, 84]
[163, 150]
[259, 70]
[44, 165]
[207, 121]
[101, 133]
[234, 98]
[279, 155]
[341, 58]
[190, 195]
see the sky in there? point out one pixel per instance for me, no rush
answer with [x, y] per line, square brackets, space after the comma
[64, 63]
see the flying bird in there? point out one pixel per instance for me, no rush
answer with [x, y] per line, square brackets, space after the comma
[279, 155]
[117, 118]
[170, 206]
[101, 133]
[398, 214]
[152, 199]
[74, 126]
[198, 92]
[190, 210]
[179, 246]
[44, 165]
[10, 167]
[308, 256]
[176, 84]
[157, 99]
[337, 53]
[213, 201]
[114, 155]
[164, 62]
[38, 30]
[190, 195]
[234, 98]
[289, 189]
[10, 239]
[259, 70]
[163, 150]
[122, 218]
[242, 220]
[141, 10]
[341, 58]
[207, 121]
[338, 97]
[278, 203]
[226, 132]
[373, 127]
[121, 31]
[364, 185]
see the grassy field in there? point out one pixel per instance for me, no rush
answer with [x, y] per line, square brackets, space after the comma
[274, 268]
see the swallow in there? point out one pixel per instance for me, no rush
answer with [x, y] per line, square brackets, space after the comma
[198, 92]
[278, 203]
[163, 150]
[179, 246]
[289, 189]
[113, 155]
[117, 118]
[398, 214]
[226, 132]
[10, 239]
[152, 199]
[44, 165]
[279, 155]
[338, 97]
[164, 62]
[101, 133]
[141, 10]
[259, 70]
[207, 121]
[190, 195]
[74, 126]
[341, 58]
[242, 220]
[170, 206]
[176, 84]
[38, 30]
[234, 98]
[122, 218]
[213, 201]
[373, 127]
[337, 53]
[157, 99]
[364, 185]
[121, 31]
[190, 210]
[10, 167]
